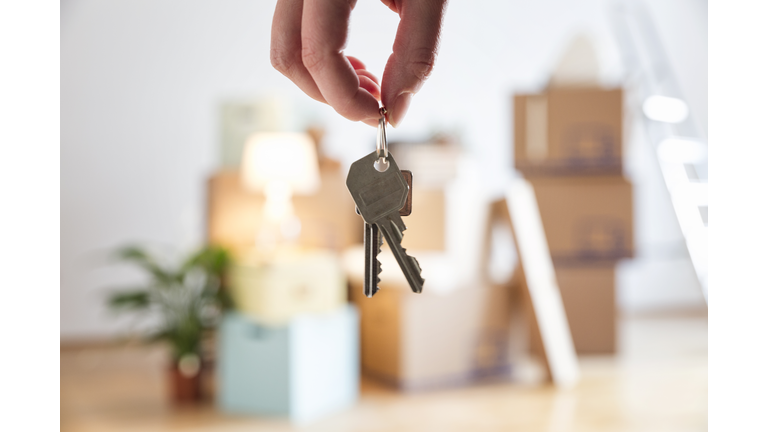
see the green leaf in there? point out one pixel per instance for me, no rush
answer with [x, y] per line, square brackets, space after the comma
[144, 260]
[226, 302]
[213, 259]
[130, 300]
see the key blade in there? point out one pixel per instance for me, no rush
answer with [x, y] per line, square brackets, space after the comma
[372, 243]
[379, 242]
[389, 227]
[399, 226]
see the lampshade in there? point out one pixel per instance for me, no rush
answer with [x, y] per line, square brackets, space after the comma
[286, 158]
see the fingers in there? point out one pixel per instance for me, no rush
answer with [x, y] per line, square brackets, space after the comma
[391, 4]
[355, 62]
[285, 48]
[323, 37]
[413, 54]
[368, 74]
[368, 81]
[286, 56]
[370, 86]
[308, 38]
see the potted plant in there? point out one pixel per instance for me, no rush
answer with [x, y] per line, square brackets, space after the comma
[188, 300]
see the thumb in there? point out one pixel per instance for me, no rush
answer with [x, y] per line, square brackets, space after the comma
[413, 54]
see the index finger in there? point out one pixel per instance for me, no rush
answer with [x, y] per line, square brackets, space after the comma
[323, 38]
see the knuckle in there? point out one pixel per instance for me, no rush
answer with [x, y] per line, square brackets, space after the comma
[311, 55]
[282, 60]
[421, 63]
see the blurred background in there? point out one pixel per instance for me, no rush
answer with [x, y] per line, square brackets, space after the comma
[203, 205]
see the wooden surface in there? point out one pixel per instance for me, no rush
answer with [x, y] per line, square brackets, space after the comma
[657, 382]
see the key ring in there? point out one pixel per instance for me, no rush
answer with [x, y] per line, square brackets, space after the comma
[381, 137]
[381, 142]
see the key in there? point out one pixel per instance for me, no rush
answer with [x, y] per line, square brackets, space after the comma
[372, 245]
[372, 242]
[406, 210]
[379, 196]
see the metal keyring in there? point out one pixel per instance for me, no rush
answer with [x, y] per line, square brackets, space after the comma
[381, 137]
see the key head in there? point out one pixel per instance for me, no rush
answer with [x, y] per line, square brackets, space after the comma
[406, 210]
[375, 193]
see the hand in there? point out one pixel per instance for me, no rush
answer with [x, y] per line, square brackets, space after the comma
[308, 38]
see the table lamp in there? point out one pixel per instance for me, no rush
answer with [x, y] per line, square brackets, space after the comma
[279, 165]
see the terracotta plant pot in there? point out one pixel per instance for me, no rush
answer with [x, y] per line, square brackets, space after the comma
[185, 387]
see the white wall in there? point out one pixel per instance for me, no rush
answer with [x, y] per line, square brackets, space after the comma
[141, 81]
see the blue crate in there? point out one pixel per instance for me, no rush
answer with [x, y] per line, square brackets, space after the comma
[305, 369]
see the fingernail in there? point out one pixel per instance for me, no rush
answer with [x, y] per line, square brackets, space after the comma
[400, 108]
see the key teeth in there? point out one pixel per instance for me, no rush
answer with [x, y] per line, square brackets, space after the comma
[415, 261]
[378, 272]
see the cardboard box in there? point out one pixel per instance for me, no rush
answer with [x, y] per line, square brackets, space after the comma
[426, 223]
[589, 298]
[328, 218]
[567, 131]
[586, 219]
[288, 284]
[305, 370]
[436, 161]
[424, 341]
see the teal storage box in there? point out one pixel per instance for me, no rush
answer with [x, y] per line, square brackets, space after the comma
[305, 369]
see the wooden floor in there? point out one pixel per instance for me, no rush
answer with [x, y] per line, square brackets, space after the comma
[657, 382]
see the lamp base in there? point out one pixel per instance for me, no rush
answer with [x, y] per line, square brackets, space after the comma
[279, 226]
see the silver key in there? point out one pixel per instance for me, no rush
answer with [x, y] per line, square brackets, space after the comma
[372, 244]
[379, 196]
[372, 241]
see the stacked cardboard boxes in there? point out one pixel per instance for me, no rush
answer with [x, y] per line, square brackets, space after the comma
[568, 144]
